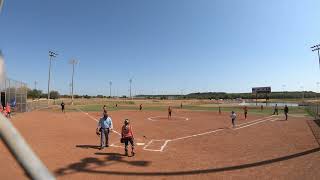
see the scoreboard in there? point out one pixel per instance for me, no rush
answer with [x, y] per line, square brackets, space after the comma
[257, 90]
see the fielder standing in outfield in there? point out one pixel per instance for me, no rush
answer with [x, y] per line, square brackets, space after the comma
[286, 111]
[104, 127]
[169, 112]
[62, 106]
[127, 136]
[245, 109]
[275, 110]
[233, 118]
[219, 110]
[140, 107]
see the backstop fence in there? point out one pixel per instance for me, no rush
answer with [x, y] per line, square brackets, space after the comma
[15, 94]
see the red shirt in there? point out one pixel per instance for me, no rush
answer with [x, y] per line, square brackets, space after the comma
[126, 131]
[8, 108]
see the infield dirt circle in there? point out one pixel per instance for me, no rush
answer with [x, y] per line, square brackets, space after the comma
[193, 145]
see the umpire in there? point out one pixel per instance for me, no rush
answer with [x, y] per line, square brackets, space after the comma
[104, 127]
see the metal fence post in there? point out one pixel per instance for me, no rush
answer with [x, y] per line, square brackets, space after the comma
[22, 151]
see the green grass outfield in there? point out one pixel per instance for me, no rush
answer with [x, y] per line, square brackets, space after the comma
[254, 110]
[239, 109]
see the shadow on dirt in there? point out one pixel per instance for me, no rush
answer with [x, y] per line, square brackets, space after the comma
[85, 165]
[88, 146]
[317, 122]
[92, 163]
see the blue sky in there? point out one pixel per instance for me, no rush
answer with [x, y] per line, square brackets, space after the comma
[167, 46]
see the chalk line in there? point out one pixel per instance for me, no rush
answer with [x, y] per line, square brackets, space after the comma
[93, 118]
[243, 125]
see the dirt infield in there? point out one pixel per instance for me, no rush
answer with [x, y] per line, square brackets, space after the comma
[192, 145]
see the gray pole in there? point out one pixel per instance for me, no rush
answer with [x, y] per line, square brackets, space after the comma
[72, 84]
[70, 88]
[35, 85]
[110, 85]
[317, 48]
[130, 87]
[283, 86]
[302, 88]
[49, 78]
[73, 62]
[22, 151]
[317, 99]
[51, 56]
[1, 4]
[319, 57]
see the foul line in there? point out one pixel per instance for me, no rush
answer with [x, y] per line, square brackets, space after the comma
[255, 120]
[240, 126]
[178, 117]
[253, 124]
[93, 118]
[195, 135]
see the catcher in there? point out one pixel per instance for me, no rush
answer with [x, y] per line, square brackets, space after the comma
[127, 136]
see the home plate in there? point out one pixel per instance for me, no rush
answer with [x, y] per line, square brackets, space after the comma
[140, 144]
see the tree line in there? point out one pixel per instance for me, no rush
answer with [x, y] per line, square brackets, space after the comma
[224, 95]
[36, 94]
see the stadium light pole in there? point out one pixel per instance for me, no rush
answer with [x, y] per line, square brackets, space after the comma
[110, 85]
[51, 56]
[302, 88]
[283, 87]
[318, 83]
[73, 62]
[70, 88]
[35, 85]
[130, 81]
[317, 48]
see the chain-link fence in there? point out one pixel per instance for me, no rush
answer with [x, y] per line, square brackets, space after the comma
[14, 93]
[39, 104]
[313, 109]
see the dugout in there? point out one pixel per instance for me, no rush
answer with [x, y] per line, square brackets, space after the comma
[15, 93]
